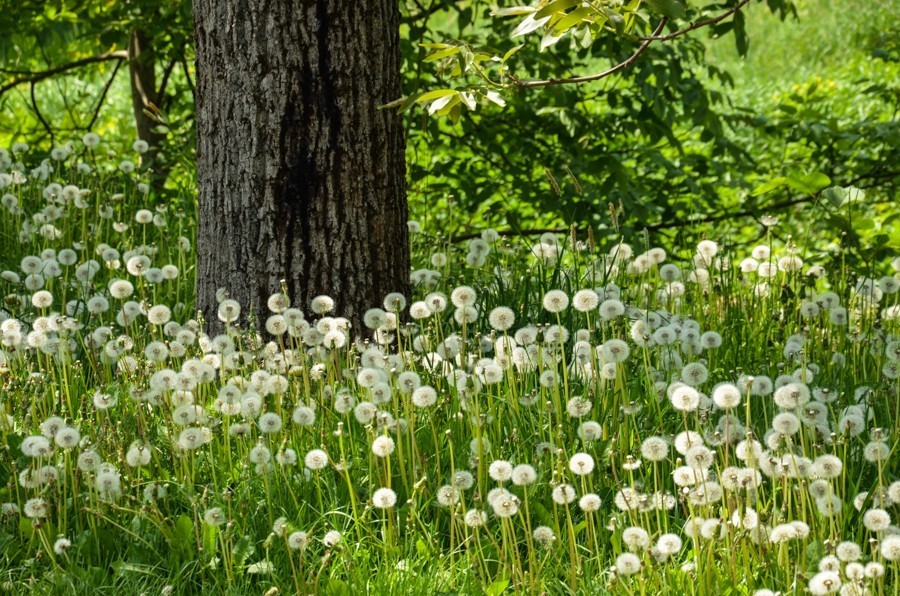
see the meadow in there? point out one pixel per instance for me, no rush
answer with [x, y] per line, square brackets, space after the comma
[543, 415]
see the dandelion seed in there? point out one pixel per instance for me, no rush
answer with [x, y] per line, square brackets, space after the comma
[686, 399]
[475, 518]
[447, 495]
[890, 548]
[523, 475]
[506, 505]
[316, 459]
[590, 503]
[628, 564]
[555, 301]
[298, 540]
[876, 520]
[384, 498]
[500, 471]
[383, 446]
[581, 464]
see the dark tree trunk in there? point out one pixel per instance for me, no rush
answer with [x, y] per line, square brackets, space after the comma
[301, 175]
[142, 71]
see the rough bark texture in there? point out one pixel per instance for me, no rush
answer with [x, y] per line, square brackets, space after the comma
[301, 176]
[142, 71]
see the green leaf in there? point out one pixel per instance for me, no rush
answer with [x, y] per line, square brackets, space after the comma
[433, 95]
[667, 8]
[810, 183]
[243, 550]
[440, 54]
[512, 11]
[184, 532]
[769, 186]
[422, 548]
[555, 7]
[549, 39]
[573, 18]
[835, 195]
[528, 25]
[510, 52]
[497, 588]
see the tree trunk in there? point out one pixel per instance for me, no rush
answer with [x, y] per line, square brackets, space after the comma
[142, 71]
[301, 175]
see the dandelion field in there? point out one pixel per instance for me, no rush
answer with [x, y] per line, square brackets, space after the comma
[541, 416]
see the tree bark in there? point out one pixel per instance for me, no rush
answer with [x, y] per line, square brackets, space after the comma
[142, 72]
[301, 175]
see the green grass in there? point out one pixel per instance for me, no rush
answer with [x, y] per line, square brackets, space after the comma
[827, 39]
[215, 499]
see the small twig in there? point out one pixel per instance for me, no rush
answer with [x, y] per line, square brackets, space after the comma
[655, 227]
[699, 25]
[40, 116]
[594, 77]
[746, 213]
[161, 94]
[103, 95]
[46, 74]
[187, 75]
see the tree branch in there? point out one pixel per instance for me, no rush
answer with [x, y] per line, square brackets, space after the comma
[161, 94]
[699, 25]
[40, 116]
[46, 74]
[594, 77]
[656, 227]
[103, 95]
[187, 75]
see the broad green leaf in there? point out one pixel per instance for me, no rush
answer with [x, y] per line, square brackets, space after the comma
[528, 25]
[184, 532]
[549, 39]
[468, 99]
[769, 186]
[497, 588]
[810, 183]
[440, 54]
[443, 102]
[243, 550]
[555, 7]
[433, 95]
[496, 98]
[573, 18]
[835, 195]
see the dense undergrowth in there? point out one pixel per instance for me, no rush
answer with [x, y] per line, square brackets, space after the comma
[539, 417]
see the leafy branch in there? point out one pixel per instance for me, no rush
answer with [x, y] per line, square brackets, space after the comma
[594, 77]
[699, 25]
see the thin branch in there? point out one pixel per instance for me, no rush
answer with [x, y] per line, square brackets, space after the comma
[187, 75]
[699, 25]
[601, 75]
[659, 226]
[746, 213]
[161, 93]
[40, 116]
[533, 232]
[103, 95]
[46, 74]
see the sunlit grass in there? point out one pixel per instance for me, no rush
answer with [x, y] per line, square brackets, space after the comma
[542, 416]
